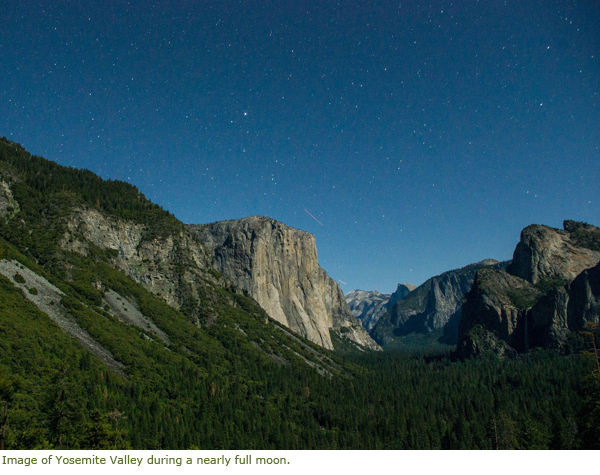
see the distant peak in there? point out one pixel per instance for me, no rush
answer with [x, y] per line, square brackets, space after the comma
[488, 262]
[407, 285]
[359, 292]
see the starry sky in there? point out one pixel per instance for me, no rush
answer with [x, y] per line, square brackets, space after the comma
[410, 137]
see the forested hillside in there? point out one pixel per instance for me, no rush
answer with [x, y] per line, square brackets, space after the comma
[217, 373]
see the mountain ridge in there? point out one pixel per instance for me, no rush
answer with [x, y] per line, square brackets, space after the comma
[434, 306]
[169, 258]
[551, 288]
[369, 305]
[211, 370]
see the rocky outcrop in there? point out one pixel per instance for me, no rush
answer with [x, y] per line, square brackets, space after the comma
[174, 267]
[401, 291]
[547, 326]
[433, 306]
[126, 310]
[273, 263]
[584, 299]
[499, 303]
[551, 288]
[277, 266]
[547, 253]
[8, 205]
[112, 223]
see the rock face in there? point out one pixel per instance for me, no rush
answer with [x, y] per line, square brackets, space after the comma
[367, 306]
[501, 302]
[8, 205]
[546, 324]
[584, 299]
[273, 263]
[551, 287]
[434, 305]
[548, 253]
[277, 266]
[174, 267]
[401, 291]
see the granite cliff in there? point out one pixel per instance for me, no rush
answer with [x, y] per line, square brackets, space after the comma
[546, 253]
[277, 266]
[173, 265]
[551, 287]
[434, 306]
[401, 291]
[270, 262]
[200, 270]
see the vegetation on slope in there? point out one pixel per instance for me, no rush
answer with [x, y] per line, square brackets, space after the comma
[236, 381]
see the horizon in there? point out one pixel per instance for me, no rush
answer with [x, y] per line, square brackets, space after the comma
[409, 139]
[349, 291]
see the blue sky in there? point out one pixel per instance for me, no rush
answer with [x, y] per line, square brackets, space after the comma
[420, 136]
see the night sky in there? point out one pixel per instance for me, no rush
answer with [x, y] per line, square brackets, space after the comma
[410, 137]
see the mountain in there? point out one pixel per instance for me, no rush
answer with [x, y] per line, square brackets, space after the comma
[434, 306]
[173, 262]
[64, 220]
[107, 301]
[277, 266]
[551, 287]
[368, 306]
[545, 253]
[119, 331]
[402, 290]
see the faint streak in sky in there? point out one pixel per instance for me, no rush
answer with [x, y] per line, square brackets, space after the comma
[313, 217]
[342, 282]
